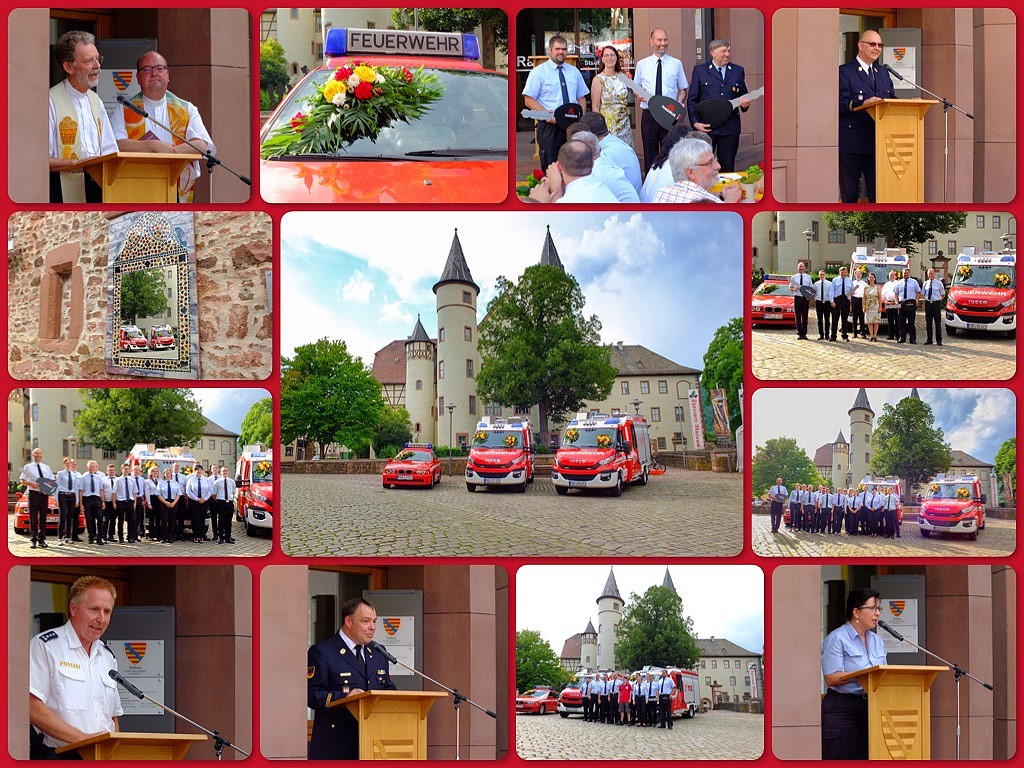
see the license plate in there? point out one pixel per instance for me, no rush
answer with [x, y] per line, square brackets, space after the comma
[491, 481]
[768, 316]
[403, 478]
[976, 326]
[577, 484]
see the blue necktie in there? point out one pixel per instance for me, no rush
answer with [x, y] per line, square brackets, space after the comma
[561, 82]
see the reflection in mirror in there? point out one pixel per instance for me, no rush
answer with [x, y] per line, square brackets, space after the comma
[152, 317]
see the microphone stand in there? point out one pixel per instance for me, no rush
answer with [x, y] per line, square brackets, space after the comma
[458, 697]
[958, 672]
[946, 106]
[211, 161]
[219, 742]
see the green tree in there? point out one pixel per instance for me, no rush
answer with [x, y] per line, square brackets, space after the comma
[394, 429]
[493, 23]
[899, 228]
[273, 70]
[536, 347]
[117, 419]
[328, 396]
[258, 424]
[536, 662]
[143, 294]
[907, 444]
[1006, 469]
[781, 457]
[723, 367]
[654, 630]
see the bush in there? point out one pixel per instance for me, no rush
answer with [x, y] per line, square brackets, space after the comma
[387, 452]
[442, 451]
[267, 102]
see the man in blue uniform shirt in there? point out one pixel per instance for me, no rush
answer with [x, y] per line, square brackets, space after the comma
[549, 85]
[341, 666]
[861, 82]
[719, 79]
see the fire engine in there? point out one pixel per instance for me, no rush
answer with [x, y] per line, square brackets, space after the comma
[983, 294]
[879, 263]
[953, 505]
[686, 699]
[501, 454]
[132, 339]
[160, 337]
[146, 456]
[254, 480]
[600, 451]
[887, 485]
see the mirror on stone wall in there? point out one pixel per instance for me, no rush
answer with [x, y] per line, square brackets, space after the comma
[152, 317]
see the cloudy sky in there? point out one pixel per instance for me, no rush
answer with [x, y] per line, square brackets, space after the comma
[723, 600]
[973, 420]
[664, 280]
[227, 406]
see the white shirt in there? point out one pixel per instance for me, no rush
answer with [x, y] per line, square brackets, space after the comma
[673, 79]
[933, 289]
[73, 683]
[619, 152]
[612, 177]
[889, 291]
[858, 288]
[657, 178]
[67, 481]
[543, 85]
[218, 489]
[587, 189]
[823, 290]
[125, 488]
[197, 487]
[799, 279]
[31, 471]
[88, 138]
[96, 484]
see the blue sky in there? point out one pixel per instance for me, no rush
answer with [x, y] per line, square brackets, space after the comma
[663, 280]
[973, 420]
[227, 406]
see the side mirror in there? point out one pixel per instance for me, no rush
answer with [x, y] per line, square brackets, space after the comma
[983, 499]
[626, 447]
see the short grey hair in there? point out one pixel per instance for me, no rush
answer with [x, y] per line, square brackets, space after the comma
[718, 42]
[685, 154]
[67, 44]
[590, 140]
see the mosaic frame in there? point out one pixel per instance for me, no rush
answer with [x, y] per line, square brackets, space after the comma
[146, 240]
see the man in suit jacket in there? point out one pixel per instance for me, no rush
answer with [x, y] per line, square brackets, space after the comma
[861, 81]
[719, 79]
[340, 666]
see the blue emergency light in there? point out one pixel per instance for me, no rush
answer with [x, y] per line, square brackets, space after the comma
[1008, 259]
[899, 259]
[342, 41]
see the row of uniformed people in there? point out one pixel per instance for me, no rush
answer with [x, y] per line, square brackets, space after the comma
[865, 512]
[644, 699]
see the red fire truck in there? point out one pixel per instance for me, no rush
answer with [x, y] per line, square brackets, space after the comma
[501, 454]
[600, 451]
[254, 480]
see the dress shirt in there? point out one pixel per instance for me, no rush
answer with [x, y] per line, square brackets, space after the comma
[32, 470]
[889, 291]
[125, 488]
[198, 488]
[907, 289]
[222, 493]
[823, 290]
[843, 651]
[67, 481]
[858, 288]
[799, 279]
[673, 79]
[587, 189]
[615, 179]
[94, 484]
[544, 86]
[933, 290]
[619, 152]
[841, 286]
[778, 490]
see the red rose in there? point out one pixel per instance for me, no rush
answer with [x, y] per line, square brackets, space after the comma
[342, 73]
[297, 121]
[364, 91]
[538, 174]
[407, 74]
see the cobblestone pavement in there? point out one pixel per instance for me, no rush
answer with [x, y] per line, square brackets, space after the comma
[681, 513]
[244, 546]
[997, 540]
[715, 735]
[776, 354]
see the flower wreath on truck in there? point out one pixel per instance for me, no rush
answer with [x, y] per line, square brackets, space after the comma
[357, 102]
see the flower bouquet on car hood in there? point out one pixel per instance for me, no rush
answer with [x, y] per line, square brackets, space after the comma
[356, 102]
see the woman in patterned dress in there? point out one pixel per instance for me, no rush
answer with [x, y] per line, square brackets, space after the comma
[608, 95]
[873, 305]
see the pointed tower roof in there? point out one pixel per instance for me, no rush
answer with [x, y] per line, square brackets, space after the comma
[549, 254]
[840, 439]
[455, 269]
[914, 394]
[419, 333]
[667, 581]
[611, 589]
[590, 628]
[861, 403]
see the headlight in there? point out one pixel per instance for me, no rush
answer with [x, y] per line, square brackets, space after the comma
[605, 462]
[260, 498]
[1009, 302]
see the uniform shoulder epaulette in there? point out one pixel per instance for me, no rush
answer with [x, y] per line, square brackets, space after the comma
[48, 636]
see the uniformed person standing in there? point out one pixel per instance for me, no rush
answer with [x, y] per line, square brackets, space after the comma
[777, 493]
[652, 700]
[224, 505]
[719, 79]
[67, 502]
[807, 511]
[842, 290]
[907, 291]
[596, 689]
[38, 502]
[92, 490]
[852, 508]
[890, 508]
[877, 505]
[340, 666]
[125, 492]
[838, 508]
[198, 490]
[801, 305]
[180, 511]
[934, 292]
[794, 504]
[612, 709]
[823, 305]
[71, 695]
[666, 687]
[170, 493]
[140, 506]
[588, 709]
[642, 690]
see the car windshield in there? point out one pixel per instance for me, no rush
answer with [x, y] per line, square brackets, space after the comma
[497, 438]
[774, 289]
[951, 491]
[470, 119]
[985, 275]
[589, 437]
[537, 694]
[262, 472]
[413, 454]
[134, 334]
[880, 271]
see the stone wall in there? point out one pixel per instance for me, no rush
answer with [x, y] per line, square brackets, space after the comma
[62, 257]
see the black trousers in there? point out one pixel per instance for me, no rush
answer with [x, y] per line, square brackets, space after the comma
[641, 711]
[110, 518]
[776, 514]
[222, 510]
[837, 520]
[851, 522]
[587, 709]
[94, 518]
[199, 510]
[851, 168]
[794, 511]
[892, 318]
[595, 707]
[665, 710]
[933, 318]
[818, 526]
[125, 511]
[68, 505]
[857, 316]
[550, 139]
[841, 310]
[823, 310]
[807, 518]
[908, 320]
[652, 135]
[38, 504]
[725, 147]
[801, 307]
[844, 727]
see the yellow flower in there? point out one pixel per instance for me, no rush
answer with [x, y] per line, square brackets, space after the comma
[365, 73]
[333, 88]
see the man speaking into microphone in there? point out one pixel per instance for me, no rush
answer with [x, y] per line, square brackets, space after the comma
[347, 663]
[71, 694]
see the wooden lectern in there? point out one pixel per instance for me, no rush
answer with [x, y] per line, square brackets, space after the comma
[137, 177]
[899, 710]
[121, 745]
[392, 724]
[899, 149]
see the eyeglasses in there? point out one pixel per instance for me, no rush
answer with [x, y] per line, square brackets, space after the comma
[876, 608]
[158, 69]
[92, 61]
[709, 163]
[870, 45]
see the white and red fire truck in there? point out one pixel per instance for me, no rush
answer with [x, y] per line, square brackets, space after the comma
[147, 456]
[952, 505]
[254, 480]
[160, 337]
[130, 338]
[604, 452]
[501, 454]
[983, 294]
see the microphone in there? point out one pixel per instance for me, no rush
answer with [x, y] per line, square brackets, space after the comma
[892, 71]
[123, 682]
[382, 651]
[140, 111]
[890, 630]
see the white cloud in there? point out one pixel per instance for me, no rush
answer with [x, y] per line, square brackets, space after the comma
[357, 290]
[984, 427]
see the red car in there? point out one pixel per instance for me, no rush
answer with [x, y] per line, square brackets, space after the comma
[457, 152]
[413, 465]
[538, 701]
[772, 302]
[21, 525]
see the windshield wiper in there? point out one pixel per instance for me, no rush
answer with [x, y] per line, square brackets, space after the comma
[457, 152]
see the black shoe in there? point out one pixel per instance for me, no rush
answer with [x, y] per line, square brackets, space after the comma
[100, 542]
[901, 341]
[821, 338]
[75, 538]
[43, 544]
[229, 540]
[928, 343]
[34, 545]
[938, 343]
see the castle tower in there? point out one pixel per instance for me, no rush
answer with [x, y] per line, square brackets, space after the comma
[609, 614]
[862, 421]
[457, 359]
[841, 462]
[420, 389]
[588, 647]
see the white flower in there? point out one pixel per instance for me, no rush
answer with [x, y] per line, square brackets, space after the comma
[379, 78]
[339, 99]
[353, 81]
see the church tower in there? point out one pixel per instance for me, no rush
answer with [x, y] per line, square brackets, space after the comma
[588, 647]
[420, 390]
[549, 254]
[609, 614]
[841, 462]
[862, 421]
[457, 359]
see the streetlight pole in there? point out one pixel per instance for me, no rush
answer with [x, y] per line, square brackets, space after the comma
[451, 421]
[636, 402]
[809, 234]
